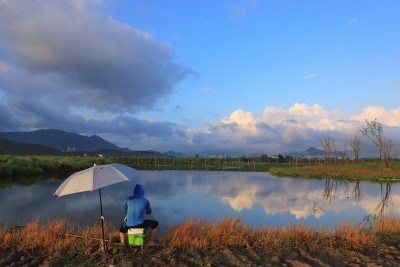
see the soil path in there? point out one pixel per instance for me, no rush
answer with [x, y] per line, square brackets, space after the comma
[387, 254]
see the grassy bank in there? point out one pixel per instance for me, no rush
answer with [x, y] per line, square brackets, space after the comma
[56, 240]
[38, 165]
[19, 167]
[13, 166]
[374, 171]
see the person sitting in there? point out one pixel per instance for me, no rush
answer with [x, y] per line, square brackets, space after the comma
[135, 207]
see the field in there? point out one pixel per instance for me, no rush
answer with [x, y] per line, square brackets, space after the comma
[373, 171]
[62, 166]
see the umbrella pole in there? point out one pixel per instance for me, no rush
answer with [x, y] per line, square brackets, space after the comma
[102, 221]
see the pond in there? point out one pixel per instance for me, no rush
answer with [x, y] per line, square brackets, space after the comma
[259, 199]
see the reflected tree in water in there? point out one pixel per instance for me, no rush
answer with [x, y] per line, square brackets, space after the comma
[353, 191]
[333, 187]
[357, 192]
[381, 210]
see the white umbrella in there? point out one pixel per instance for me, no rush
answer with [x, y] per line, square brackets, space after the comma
[94, 178]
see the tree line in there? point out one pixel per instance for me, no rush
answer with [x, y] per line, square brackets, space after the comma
[372, 130]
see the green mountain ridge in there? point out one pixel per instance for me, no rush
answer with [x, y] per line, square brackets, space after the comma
[12, 148]
[58, 142]
[61, 140]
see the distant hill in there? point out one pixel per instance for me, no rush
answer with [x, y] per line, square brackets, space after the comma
[12, 148]
[309, 152]
[174, 154]
[61, 140]
[53, 141]
[118, 153]
[147, 153]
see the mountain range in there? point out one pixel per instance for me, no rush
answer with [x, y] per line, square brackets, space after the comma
[53, 142]
[61, 140]
[311, 152]
[57, 142]
[13, 148]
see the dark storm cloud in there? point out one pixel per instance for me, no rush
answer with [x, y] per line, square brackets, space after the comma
[7, 118]
[59, 54]
[133, 127]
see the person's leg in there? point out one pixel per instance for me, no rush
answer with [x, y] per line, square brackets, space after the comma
[122, 232]
[151, 235]
[122, 237]
[153, 225]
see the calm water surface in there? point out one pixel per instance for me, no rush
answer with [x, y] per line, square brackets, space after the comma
[260, 199]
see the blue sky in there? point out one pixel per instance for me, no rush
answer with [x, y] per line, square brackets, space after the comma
[216, 76]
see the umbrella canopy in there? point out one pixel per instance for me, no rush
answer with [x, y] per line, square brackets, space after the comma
[94, 178]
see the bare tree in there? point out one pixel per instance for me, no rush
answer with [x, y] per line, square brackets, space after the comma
[355, 144]
[335, 151]
[387, 150]
[326, 143]
[374, 131]
[344, 153]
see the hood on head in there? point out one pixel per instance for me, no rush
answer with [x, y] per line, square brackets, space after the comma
[139, 191]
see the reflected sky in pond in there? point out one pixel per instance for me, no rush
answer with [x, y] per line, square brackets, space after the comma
[260, 199]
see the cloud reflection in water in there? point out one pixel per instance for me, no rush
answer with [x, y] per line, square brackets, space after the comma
[258, 198]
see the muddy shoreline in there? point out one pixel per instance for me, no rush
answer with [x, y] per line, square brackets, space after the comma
[387, 253]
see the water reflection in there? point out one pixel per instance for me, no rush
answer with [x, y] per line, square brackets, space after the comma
[258, 198]
[354, 192]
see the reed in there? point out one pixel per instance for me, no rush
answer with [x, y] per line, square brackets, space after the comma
[52, 237]
[386, 226]
[354, 236]
[231, 232]
[57, 237]
[37, 238]
[203, 234]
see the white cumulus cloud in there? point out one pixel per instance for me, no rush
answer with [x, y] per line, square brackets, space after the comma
[387, 117]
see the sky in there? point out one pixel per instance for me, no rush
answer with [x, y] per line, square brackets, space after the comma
[212, 76]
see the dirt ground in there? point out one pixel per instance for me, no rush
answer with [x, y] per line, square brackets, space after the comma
[386, 254]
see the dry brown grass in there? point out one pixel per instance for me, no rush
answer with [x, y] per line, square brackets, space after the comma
[355, 237]
[231, 232]
[53, 236]
[387, 226]
[58, 237]
[200, 234]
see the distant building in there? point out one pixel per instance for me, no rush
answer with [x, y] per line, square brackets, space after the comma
[71, 149]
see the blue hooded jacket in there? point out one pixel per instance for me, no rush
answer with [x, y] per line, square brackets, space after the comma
[136, 206]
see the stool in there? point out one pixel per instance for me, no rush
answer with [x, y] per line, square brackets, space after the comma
[136, 237]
